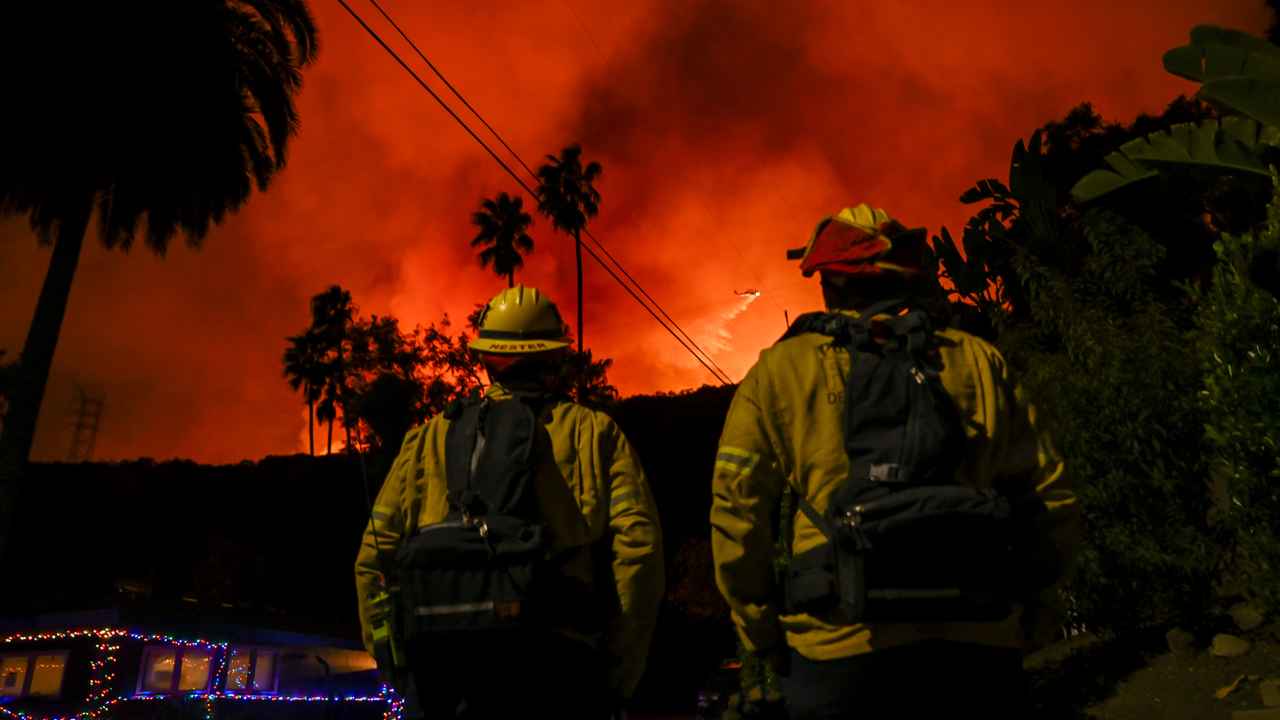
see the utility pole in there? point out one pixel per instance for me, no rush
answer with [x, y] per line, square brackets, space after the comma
[88, 415]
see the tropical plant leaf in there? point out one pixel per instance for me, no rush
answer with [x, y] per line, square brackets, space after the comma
[1256, 97]
[990, 189]
[1237, 145]
[1237, 70]
[1186, 62]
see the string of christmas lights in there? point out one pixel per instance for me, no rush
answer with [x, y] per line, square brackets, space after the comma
[100, 678]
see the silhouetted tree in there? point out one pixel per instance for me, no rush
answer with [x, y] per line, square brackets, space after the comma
[567, 197]
[304, 365]
[502, 223]
[332, 315]
[400, 379]
[586, 381]
[1083, 301]
[155, 114]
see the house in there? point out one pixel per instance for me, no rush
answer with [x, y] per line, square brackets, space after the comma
[120, 663]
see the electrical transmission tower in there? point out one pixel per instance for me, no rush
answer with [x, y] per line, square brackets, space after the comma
[88, 415]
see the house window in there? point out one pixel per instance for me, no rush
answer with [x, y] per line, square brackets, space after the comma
[32, 674]
[175, 669]
[252, 671]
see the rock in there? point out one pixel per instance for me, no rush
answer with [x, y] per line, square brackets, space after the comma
[755, 694]
[1225, 645]
[1246, 616]
[1181, 642]
[731, 714]
[1270, 692]
[772, 696]
[749, 709]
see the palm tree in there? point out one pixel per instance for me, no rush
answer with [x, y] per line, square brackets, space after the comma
[502, 222]
[567, 197]
[304, 366]
[158, 116]
[332, 315]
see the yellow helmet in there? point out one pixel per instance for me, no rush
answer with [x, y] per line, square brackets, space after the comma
[519, 321]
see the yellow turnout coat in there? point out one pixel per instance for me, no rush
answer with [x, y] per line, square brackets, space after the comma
[592, 495]
[785, 426]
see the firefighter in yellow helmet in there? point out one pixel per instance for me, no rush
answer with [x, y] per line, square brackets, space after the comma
[786, 428]
[605, 543]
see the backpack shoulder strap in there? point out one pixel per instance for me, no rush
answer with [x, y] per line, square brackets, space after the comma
[844, 329]
[814, 516]
[466, 422]
[910, 332]
[539, 399]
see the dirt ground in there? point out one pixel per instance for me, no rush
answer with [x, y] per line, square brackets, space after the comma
[1140, 679]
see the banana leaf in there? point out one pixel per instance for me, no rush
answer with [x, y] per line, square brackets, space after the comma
[1234, 68]
[1236, 146]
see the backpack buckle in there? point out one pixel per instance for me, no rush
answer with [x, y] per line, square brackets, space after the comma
[885, 472]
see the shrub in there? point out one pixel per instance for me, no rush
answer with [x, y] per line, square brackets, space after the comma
[1239, 332]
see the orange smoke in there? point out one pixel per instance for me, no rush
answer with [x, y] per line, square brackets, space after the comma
[726, 130]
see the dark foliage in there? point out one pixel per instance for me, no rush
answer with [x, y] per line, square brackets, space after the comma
[396, 380]
[306, 369]
[159, 117]
[568, 197]
[585, 380]
[167, 112]
[1239, 333]
[275, 539]
[1183, 210]
[1088, 305]
[502, 222]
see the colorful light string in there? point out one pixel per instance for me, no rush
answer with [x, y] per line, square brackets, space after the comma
[100, 685]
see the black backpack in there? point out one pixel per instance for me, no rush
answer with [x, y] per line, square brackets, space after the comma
[487, 565]
[905, 543]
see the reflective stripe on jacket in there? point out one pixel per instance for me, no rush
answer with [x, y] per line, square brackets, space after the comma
[786, 426]
[593, 492]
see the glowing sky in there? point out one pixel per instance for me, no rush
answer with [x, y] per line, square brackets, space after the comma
[726, 130]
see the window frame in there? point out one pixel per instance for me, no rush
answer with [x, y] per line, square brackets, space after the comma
[181, 651]
[30, 672]
[253, 670]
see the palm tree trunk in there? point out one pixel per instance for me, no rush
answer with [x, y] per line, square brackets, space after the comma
[511, 280]
[37, 356]
[342, 393]
[311, 422]
[577, 249]
[329, 448]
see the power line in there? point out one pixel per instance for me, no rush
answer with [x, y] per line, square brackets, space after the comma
[698, 355]
[675, 161]
[535, 177]
[655, 302]
[448, 85]
[429, 90]
[718, 372]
